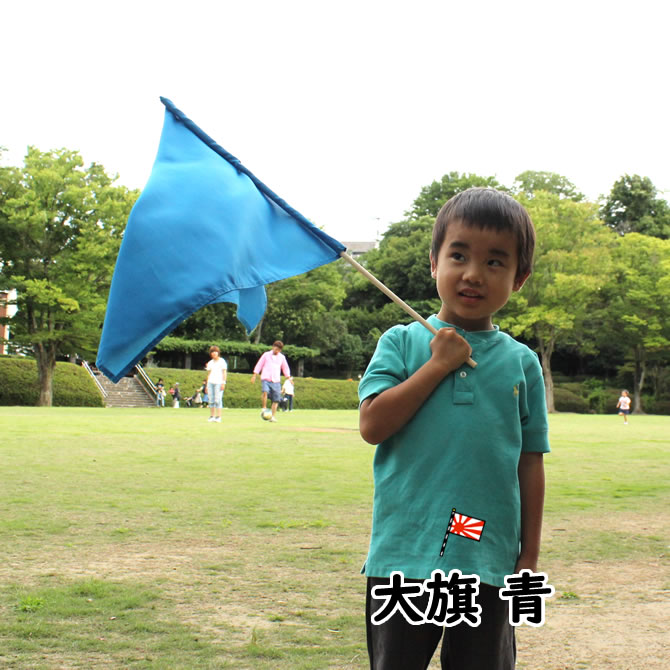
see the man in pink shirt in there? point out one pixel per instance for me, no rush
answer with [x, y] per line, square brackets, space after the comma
[270, 366]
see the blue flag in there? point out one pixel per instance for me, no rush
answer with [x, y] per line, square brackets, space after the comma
[204, 230]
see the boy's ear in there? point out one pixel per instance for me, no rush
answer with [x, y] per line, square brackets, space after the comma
[433, 266]
[520, 281]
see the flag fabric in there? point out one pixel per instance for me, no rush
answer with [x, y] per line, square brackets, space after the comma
[465, 526]
[204, 230]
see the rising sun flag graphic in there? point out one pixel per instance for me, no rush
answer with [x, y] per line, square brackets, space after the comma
[204, 230]
[465, 526]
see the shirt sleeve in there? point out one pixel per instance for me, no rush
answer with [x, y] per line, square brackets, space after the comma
[260, 364]
[387, 367]
[534, 422]
[284, 367]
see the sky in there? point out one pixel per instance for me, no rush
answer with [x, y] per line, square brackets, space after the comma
[347, 109]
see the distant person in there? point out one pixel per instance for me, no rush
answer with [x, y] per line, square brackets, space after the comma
[216, 382]
[453, 439]
[288, 391]
[270, 366]
[203, 393]
[160, 394]
[176, 395]
[624, 406]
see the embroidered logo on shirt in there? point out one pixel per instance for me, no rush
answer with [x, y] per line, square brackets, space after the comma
[516, 390]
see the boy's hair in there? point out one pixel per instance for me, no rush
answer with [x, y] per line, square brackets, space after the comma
[214, 348]
[488, 208]
[278, 343]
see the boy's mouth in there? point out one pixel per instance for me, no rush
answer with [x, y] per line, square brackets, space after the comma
[470, 294]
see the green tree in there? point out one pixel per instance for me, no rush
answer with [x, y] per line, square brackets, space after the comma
[531, 181]
[639, 299]
[572, 266]
[213, 322]
[60, 230]
[298, 305]
[432, 197]
[633, 205]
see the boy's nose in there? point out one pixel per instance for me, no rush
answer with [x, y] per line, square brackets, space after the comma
[472, 274]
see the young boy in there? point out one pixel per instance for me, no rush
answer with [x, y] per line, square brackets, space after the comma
[270, 366]
[452, 437]
[216, 381]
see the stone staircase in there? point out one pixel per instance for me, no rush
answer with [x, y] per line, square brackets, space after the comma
[128, 392]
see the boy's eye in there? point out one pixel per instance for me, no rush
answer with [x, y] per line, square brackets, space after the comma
[457, 257]
[495, 263]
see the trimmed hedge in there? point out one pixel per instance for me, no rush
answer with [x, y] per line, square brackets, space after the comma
[310, 393]
[567, 401]
[181, 345]
[72, 385]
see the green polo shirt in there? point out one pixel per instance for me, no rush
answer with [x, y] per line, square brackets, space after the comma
[460, 451]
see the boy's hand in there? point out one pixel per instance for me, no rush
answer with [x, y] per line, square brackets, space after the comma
[450, 350]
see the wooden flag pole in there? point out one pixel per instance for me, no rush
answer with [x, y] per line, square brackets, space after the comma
[384, 289]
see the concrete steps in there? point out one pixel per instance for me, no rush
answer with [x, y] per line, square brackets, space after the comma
[128, 392]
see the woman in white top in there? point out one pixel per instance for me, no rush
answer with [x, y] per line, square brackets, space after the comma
[216, 380]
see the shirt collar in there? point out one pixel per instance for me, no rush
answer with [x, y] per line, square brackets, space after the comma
[480, 337]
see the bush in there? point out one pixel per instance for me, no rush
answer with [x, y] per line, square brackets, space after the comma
[567, 401]
[72, 385]
[662, 407]
[652, 406]
[310, 393]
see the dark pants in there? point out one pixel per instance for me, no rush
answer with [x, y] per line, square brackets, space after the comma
[398, 645]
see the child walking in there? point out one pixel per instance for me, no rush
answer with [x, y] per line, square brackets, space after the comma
[452, 437]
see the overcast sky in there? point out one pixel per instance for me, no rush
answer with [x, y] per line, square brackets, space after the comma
[346, 109]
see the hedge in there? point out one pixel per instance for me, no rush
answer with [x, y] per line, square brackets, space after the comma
[310, 393]
[567, 401]
[182, 345]
[72, 385]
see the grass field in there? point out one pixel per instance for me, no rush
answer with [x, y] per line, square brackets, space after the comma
[153, 539]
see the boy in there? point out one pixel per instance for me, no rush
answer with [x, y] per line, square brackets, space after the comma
[456, 438]
[288, 390]
[216, 380]
[270, 366]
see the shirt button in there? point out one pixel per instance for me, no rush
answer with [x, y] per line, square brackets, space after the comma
[464, 374]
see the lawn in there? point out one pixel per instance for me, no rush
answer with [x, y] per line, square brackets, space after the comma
[154, 539]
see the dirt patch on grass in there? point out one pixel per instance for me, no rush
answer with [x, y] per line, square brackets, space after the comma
[614, 617]
[605, 615]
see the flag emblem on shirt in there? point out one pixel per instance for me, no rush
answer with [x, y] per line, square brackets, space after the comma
[463, 525]
[467, 526]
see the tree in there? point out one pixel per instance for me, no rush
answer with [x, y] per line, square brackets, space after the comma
[60, 229]
[431, 198]
[212, 322]
[572, 265]
[531, 181]
[298, 305]
[639, 296]
[633, 205]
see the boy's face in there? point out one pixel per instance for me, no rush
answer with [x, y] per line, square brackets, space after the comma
[214, 354]
[475, 274]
